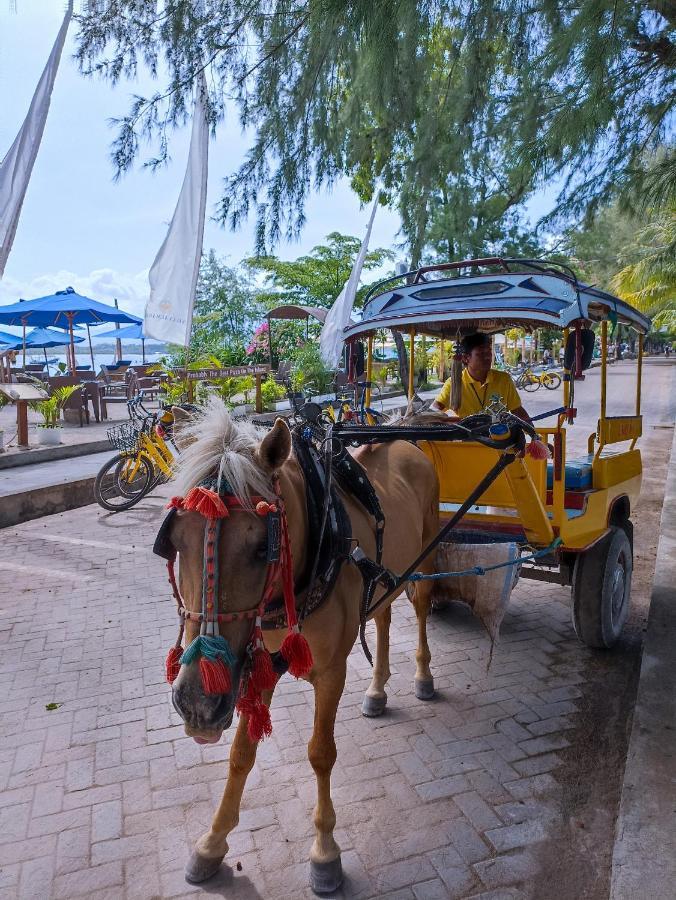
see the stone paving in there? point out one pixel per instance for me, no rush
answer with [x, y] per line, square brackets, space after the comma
[103, 795]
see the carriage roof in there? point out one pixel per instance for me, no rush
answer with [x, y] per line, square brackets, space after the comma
[495, 294]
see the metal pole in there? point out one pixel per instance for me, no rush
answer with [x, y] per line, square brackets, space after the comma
[143, 350]
[91, 351]
[369, 370]
[72, 343]
[604, 370]
[118, 342]
[24, 345]
[411, 362]
[638, 379]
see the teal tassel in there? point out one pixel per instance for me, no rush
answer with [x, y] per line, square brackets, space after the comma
[211, 648]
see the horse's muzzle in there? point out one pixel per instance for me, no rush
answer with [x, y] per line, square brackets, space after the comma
[208, 713]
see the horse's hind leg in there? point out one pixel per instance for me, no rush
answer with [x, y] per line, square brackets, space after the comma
[210, 849]
[375, 698]
[326, 873]
[420, 596]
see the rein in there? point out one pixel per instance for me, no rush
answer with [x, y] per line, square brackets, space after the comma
[213, 653]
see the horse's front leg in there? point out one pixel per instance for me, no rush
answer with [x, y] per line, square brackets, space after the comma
[210, 849]
[375, 698]
[326, 872]
[420, 596]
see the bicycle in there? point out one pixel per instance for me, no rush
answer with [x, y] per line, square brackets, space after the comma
[532, 381]
[144, 459]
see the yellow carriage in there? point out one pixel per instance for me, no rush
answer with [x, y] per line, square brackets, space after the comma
[580, 508]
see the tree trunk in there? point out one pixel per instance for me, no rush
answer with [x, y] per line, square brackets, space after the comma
[403, 358]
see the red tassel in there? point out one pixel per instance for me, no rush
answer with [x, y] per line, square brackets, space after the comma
[260, 724]
[215, 676]
[262, 675]
[175, 503]
[537, 450]
[207, 503]
[296, 651]
[173, 663]
[263, 508]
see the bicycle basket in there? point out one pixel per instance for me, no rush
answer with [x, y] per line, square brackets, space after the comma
[124, 437]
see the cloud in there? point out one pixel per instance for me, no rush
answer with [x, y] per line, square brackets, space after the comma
[104, 285]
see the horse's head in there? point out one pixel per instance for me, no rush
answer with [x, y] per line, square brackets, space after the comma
[235, 456]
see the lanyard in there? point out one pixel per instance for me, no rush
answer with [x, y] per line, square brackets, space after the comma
[482, 403]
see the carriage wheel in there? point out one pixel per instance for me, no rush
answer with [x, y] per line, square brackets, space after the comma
[602, 589]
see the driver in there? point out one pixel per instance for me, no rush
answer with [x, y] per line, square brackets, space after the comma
[479, 382]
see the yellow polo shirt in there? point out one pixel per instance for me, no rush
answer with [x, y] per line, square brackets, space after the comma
[475, 396]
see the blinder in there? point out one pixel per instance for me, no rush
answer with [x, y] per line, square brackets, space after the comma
[163, 546]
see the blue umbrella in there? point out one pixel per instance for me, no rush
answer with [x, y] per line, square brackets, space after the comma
[65, 308]
[40, 338]
[133, 332]
[7, 338]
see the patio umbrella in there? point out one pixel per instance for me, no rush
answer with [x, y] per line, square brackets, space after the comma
[6, 338]
[66, 308]
[130, 332]
[41, 338]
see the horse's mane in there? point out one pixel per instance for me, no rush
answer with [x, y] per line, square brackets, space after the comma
[217, 445]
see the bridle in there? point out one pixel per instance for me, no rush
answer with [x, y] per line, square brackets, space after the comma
[216, 501]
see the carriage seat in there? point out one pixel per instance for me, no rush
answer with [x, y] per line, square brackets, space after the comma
[578, 473]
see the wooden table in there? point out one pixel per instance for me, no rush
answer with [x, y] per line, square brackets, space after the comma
[21, 395]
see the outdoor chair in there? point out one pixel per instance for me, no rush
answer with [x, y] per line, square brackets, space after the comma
[35, 368]
[75, 409]
[283, 372]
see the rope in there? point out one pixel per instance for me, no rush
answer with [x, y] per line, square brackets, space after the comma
[481, 570]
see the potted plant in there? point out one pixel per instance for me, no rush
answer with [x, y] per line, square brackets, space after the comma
[49, 430]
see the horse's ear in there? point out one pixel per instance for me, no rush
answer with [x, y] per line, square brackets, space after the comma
[182, 418]
[275, 446]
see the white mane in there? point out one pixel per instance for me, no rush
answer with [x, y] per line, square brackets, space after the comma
[218, 445]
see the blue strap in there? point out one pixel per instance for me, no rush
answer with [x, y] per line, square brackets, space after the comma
[481, 570]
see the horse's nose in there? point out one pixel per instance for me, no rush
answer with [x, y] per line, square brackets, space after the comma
[208, 712]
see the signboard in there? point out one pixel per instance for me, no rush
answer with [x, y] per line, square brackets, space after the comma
[229, 372]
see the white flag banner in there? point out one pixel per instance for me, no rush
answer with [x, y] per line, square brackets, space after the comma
[173, 275]
[331, 340]
[17, 166]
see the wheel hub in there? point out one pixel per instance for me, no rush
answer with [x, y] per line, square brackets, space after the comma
[617, 588]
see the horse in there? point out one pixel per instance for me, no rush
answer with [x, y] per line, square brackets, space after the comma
[263, 478]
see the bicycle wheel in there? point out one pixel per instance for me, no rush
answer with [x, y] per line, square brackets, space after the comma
[551, 380]
[118, 486]
[531, 383]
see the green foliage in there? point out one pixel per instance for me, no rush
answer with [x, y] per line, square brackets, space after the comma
[50, 408]
[649, 284]
[309, 371]
[271, 392]
[317, 278]
[227, 308]
[459, 110]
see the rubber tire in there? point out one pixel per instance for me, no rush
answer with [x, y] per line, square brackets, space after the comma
[598, 617]
[115, 462]
[552, 380]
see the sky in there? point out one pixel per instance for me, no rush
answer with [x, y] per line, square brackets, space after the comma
[78, 226]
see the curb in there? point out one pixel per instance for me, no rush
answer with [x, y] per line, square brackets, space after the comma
[644, 855]
[45, 501]
[49, 454]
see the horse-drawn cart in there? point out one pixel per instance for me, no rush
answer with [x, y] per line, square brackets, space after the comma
[580, 507]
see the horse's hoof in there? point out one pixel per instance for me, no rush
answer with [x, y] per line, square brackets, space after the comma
[424, 688]
[199, 868]
[372, 707]
[325, 878]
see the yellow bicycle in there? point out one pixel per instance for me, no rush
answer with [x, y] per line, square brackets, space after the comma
[144, 459]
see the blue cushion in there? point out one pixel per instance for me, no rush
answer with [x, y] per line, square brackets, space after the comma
[578, 474]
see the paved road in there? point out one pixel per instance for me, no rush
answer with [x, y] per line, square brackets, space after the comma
[505, 786]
